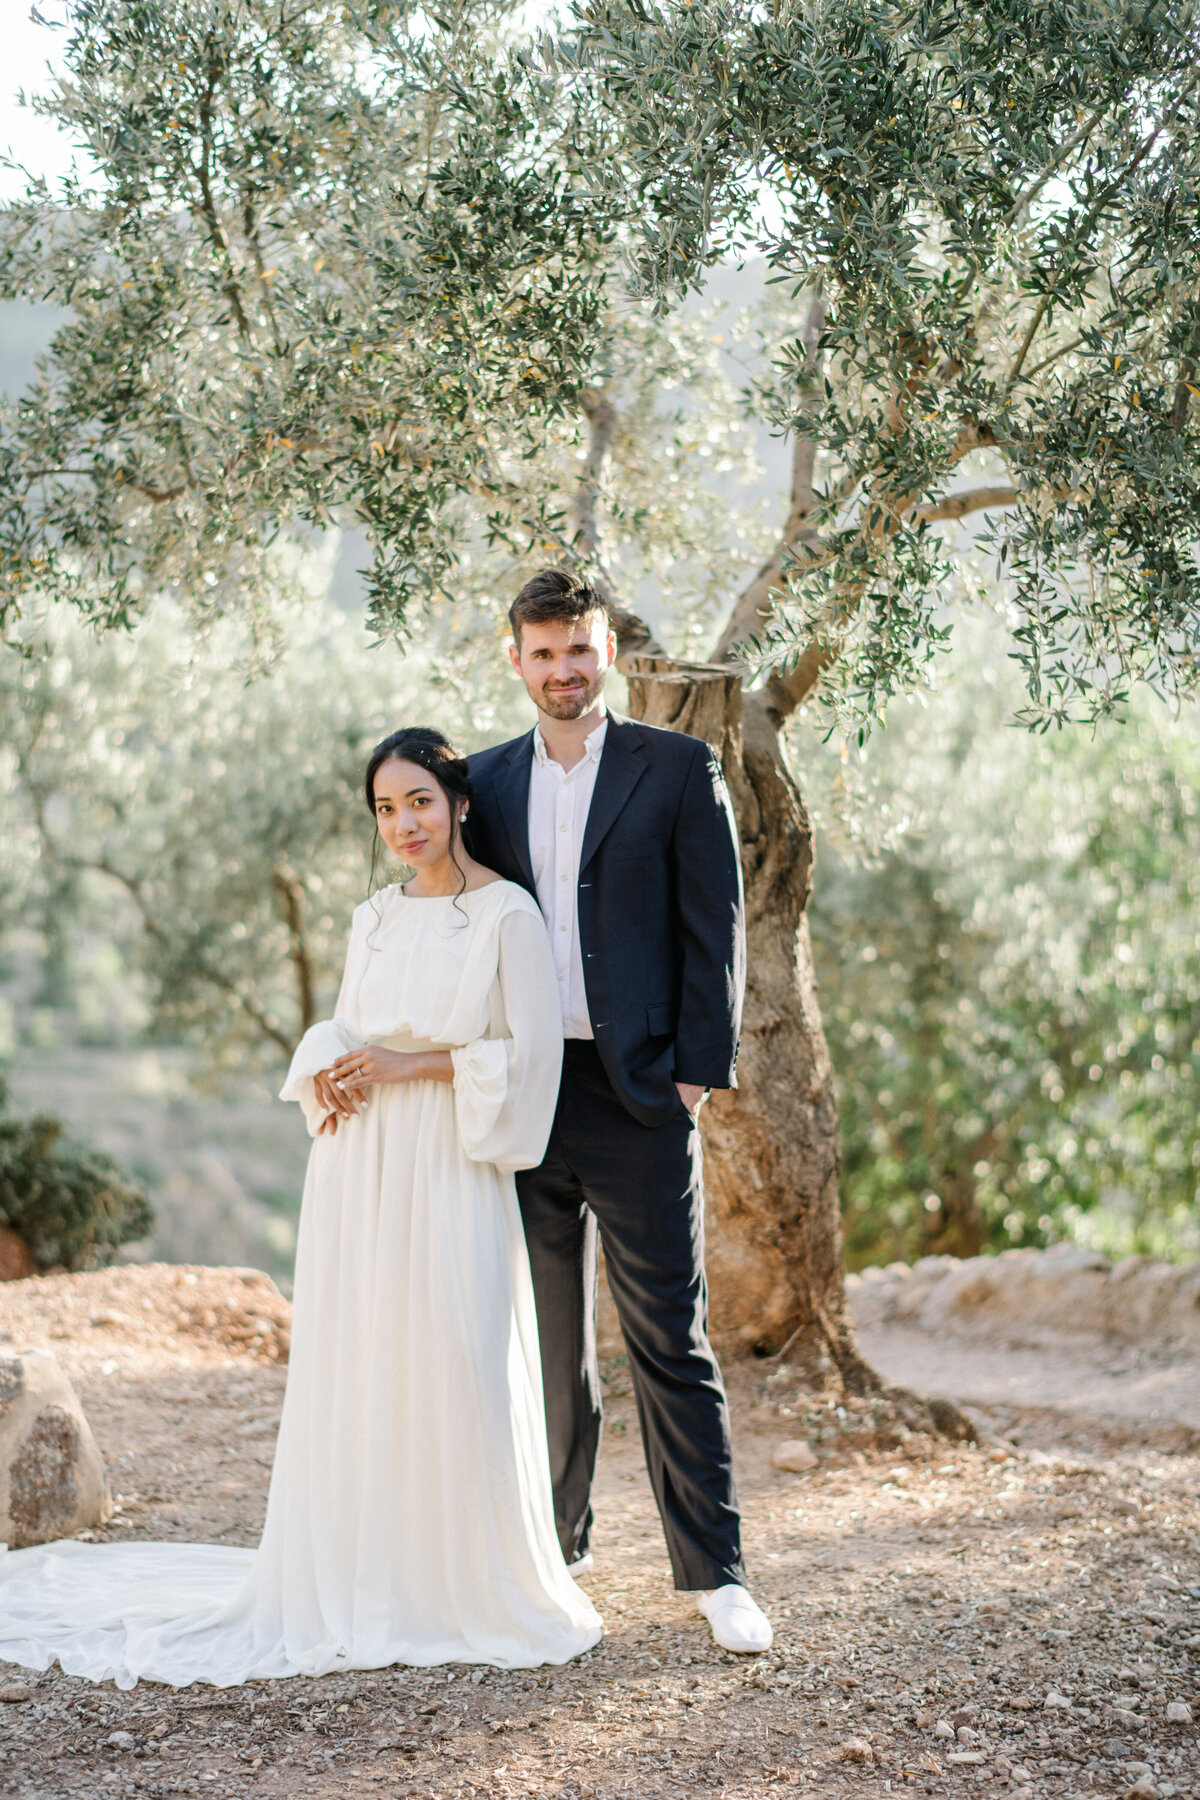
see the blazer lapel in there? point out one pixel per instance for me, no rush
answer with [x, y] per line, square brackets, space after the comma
[512, 794]
[622, 765]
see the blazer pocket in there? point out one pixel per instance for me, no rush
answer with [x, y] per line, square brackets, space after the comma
[661, 1020]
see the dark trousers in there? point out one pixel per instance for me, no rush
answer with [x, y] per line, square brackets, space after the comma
[641, 1185]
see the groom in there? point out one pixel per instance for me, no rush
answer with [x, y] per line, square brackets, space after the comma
[625, 835]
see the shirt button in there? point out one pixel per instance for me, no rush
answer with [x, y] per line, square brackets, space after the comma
[563, 926]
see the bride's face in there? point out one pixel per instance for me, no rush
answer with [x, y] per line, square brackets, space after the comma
[413, 813]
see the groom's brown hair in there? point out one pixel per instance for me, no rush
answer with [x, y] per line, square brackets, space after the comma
[554, 594]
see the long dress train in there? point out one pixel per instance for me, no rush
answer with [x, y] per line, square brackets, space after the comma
[409, 1517]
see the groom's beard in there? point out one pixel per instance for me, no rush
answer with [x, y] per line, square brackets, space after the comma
[572, 702]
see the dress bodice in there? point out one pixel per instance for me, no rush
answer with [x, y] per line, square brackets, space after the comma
[472, 975]
[427, 971]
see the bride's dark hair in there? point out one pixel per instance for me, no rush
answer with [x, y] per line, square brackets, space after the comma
[433, 752]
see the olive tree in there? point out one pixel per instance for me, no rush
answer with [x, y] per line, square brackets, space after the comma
[1004, 931]
[983, 225]
[215, 822]
[367, 260]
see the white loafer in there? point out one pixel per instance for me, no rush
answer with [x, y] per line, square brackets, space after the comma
[738, 1622]
[581, 1566]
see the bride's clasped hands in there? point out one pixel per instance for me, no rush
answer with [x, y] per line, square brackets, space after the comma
[343, 1088]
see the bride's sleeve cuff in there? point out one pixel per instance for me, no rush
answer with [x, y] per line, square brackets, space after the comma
[480, 1089]
[321, 1045]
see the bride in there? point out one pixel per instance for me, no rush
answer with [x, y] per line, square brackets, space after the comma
[409, 1518]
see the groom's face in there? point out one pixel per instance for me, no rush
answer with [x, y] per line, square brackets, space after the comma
[563, 663]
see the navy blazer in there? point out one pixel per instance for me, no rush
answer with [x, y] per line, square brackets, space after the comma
[661, 916]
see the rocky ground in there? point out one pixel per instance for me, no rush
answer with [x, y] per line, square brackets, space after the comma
[1019, 1618]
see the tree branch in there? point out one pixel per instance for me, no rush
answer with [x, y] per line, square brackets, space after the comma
[250, 225]
[160, 496]
[785, 691]
[202, 171]
[100, 865]
[1072, 143]
[291, 899]
[753, 608]
[601, 415]
[957, 506]
[1184, 389]
[634, 637]
[1101, 201]
[1054, 357]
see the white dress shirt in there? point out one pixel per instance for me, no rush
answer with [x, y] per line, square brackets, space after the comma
[559, 802]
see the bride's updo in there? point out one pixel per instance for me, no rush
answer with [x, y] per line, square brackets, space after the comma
[431, 751]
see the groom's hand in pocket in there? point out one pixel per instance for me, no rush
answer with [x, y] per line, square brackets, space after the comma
[692, 1096]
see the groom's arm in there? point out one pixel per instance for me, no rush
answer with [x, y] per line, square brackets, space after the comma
[711, 928]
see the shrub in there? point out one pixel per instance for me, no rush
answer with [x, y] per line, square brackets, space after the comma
[71, 1205]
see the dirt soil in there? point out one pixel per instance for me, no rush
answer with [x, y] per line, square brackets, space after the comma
[1017, 1618]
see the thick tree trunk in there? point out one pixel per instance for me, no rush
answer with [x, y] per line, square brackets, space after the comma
[771, 1152]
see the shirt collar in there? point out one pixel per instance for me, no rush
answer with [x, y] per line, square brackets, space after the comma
[593, 744]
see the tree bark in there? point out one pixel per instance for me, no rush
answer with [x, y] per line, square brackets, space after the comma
[774, 1248]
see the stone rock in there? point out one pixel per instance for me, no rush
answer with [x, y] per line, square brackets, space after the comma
[943, 1729]
[854, 1750]
[795, 1456]
[1056, 1702]
[1065, 1288]
[15, 1693]
[121, 1740]
[52, 1477]
[966, 1736]
[1178, 1712]
[1143, 1789]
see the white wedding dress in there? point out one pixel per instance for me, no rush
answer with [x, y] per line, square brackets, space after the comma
[410, 1517]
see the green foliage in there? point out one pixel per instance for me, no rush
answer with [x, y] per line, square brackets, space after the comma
[984, 218]
[336, 263]
[71, 1205]
[216, 824]
[1010, 977]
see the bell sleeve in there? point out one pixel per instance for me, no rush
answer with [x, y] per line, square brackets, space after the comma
[506, 1088]
[321, 1045]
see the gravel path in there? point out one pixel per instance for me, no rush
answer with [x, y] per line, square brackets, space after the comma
[950, 1621]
